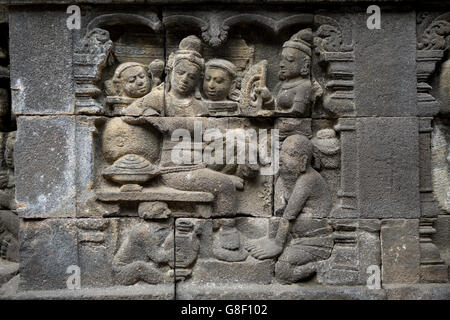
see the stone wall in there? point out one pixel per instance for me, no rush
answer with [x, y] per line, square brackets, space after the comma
[172, 149]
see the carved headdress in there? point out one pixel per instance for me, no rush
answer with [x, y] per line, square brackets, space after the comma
[189, 49]
[121, 68]
[302, 41]
[113, 86]
[223, 64]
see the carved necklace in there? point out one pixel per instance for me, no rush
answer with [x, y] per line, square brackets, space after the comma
[290, 85]
[180, 102]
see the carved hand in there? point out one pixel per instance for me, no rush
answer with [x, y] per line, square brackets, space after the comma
[263, 248]
[264, 93]
[238, 182]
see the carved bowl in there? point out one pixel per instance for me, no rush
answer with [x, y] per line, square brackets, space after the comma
[131, 169]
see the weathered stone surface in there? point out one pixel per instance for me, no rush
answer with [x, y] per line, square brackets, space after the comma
[222, 153]
[418, 292]
[400, 253]
[385, 79]
[275, 292]
[11, 291]
[41, 62]
[8, 270]
[46, 167]
[388, 167]
[219, 252]
[48, 248]
[442, 237]
[440, 139]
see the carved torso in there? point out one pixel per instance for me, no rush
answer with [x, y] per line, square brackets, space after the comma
[294, 97]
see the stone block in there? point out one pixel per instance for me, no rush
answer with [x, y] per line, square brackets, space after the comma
[385, 69]
[388, 156]
[400, 251]
[45, 167]
[47, 249]
[41, 61]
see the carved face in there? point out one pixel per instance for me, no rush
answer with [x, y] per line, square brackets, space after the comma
[216, 84]
[185, 77]
[292, 162]
[291, 63]
[136, 82]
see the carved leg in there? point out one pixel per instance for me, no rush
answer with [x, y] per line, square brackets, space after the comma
[287, 273]
[206, 180]
[127, 275]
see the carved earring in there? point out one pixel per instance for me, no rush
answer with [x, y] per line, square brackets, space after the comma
[234, 94]
[304, 70]
[303, 163]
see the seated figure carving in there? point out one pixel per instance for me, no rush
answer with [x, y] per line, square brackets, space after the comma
[303, 237]
[296, 91]
[182, 95]
[146, 254]
[220, 86]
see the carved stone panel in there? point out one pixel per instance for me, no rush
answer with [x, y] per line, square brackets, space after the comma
[175, 151]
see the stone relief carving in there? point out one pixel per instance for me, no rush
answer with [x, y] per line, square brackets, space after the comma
[144, 217]
[432, 44]
[9, 221]
[132, 80]
[146, 254]
[302, 199]
[432, 48]
[89, 60]
[138, 179]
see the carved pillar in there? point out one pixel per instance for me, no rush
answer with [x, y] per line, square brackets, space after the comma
[339, 98]
[426, 63]
[348, 205]
[432, 267]
[89, 60]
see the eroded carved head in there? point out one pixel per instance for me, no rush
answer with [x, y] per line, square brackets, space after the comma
[296, 55]
[131, 79]
[185, 67]
[295, 155]
[219, 79]
[185, 77]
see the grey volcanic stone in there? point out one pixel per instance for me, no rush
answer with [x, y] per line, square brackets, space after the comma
[400, 252]
[275, 292]
[101, 190]
[48, 248]
[388, 152]
[41, 62]
[385, 71]
[45, 162]
[7, 270]
[418, 292]
[137, 292]
[442, 236]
